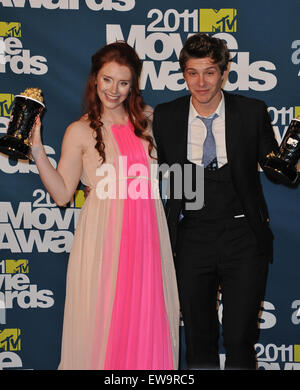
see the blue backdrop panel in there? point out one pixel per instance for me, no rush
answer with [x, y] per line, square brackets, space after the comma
[48, 44]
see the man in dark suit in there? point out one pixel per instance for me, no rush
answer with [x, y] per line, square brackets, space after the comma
[227, 244]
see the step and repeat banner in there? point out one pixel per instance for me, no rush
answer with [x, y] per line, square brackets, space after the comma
[48, 44]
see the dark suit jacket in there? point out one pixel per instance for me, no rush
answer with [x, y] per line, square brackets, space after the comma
[249, 138]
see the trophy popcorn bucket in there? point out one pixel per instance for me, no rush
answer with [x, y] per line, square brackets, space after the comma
[282, 167]
[26, 107]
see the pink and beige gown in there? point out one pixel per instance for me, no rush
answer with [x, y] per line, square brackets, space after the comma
[121, 309]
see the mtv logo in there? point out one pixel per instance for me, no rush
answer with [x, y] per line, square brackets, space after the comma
[217, 20]
[10, 339]
[6, 104]
[296, 111]
[79, 198]
[296, 353]
[16, 266]
[11, 29]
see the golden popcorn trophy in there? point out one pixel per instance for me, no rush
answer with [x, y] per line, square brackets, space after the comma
[26, 107]
[282, 166]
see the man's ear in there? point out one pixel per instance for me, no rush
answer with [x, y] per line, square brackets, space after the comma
[225, 75]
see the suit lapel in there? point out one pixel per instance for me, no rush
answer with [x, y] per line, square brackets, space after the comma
[180, 118]
[232, 127]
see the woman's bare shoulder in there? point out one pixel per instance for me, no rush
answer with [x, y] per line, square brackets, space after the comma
[79, 127]
[79, 132]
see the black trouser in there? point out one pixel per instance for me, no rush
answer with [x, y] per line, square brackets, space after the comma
[225, 254]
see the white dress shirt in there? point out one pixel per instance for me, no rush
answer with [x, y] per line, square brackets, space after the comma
[197, 134]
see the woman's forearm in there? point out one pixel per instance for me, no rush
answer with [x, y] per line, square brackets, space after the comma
[50, 177]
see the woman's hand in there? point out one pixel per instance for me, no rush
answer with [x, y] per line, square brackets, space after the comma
[35, 138]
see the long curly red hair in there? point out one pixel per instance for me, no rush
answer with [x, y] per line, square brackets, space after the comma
[123, 54]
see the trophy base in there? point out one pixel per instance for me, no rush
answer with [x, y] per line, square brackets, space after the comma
[15, 148]
[280, 171]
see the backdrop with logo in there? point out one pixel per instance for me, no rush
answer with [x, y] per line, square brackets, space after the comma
[48, 44]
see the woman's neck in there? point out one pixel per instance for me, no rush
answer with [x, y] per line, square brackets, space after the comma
[111, 117]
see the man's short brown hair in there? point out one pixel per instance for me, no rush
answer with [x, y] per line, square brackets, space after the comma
[202, 45]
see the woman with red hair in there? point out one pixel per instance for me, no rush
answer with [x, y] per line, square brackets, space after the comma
[121, 309]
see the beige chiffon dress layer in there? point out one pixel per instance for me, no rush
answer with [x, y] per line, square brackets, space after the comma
[94, 260]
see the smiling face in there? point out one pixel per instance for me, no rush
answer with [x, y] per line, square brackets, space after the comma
[204, 80]
[113, 83]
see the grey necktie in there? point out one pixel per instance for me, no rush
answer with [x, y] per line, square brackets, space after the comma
[209, 159]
